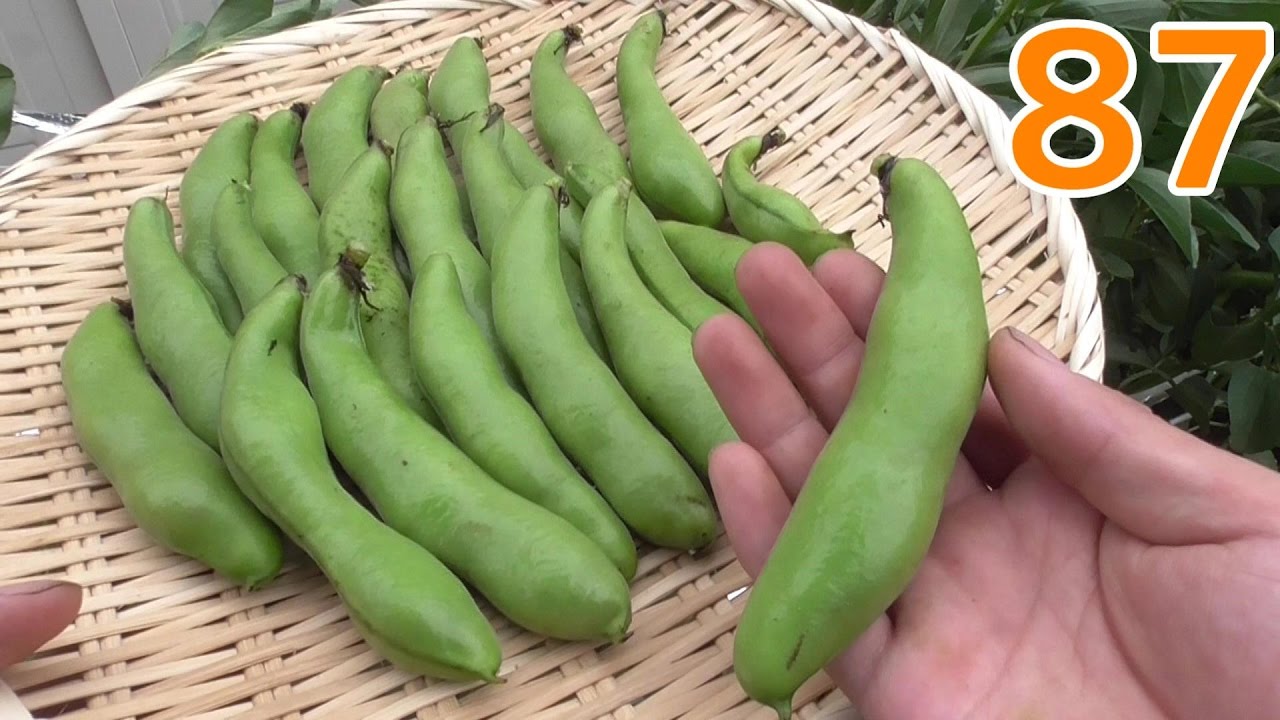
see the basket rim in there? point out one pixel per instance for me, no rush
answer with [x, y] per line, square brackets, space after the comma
[1081, 307]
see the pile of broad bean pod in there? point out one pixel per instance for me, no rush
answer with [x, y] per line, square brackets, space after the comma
[496, 351]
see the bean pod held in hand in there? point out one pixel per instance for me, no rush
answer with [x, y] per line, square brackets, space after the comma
[639, 471]
[283, 212]
[172, 484]
[401, 598]
[864, 520]
[223, 159]
[535, 567]
[564, 117]
[336, 130]
[763, 213]
[399, 105]
[244, 257]
[179, 330]
[495, 425]
[671, 173]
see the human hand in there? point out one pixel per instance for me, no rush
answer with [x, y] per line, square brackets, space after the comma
[1091, 561]
[31, 614]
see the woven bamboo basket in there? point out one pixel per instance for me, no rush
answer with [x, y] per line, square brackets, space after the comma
[161, 637]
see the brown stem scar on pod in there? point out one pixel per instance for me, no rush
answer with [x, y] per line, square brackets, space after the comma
[125, 306]
[496, 113]
[883, 166]
[572, 35]
[300, 109]
[351, 268]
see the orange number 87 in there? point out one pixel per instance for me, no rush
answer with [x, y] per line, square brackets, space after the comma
[1244, 49]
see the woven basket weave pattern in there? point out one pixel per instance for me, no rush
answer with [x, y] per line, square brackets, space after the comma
[161, 637]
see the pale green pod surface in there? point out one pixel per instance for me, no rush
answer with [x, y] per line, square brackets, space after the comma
[427, 215]
[564, 117]
[652, 350]
[479, 142]
[665, 277]
[670, 170]
[461, 84]
[245, 258]
[336, 130]
[399, 105]
[711, 257]
[222, 160]
[174, 486]
[530, 170]
[177, 322]
[869, 510]
[763, 213]
[283, 212]
[495, 425]
[359, 216]
[639, 472]
[406, 604]
[548, 577]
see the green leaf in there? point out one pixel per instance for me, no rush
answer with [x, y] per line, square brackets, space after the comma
[1266, 459]
[1214, 218]
[1137, 15]
[1274, 241]
[176, 59]
[185, 35]
[949, 31]
[1238, 10]
[1172, 210]
[1254, 163]
[1213, 343]
[276, 23]
[1113, 264]
[1197, 396]
[8, 86]
[1253, 398]
[1146, 100]
[990, 78]
[233, 16]
[1185, 85]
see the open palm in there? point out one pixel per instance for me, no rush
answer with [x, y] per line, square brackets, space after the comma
[1091, 561]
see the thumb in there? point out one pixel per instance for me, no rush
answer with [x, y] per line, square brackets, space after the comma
[32, 614]
[1154, 480]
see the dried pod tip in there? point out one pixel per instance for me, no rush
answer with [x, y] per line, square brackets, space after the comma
[572, 35]
[300, 109]
[125, 307]
[772, 139]
[495, 115]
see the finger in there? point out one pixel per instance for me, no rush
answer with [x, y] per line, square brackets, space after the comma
[1154, 480]
[752, 503]
[758, 398]
[812, 338]
[854, 283]
[32, 614]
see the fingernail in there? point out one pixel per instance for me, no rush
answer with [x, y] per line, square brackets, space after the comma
[1036, 348]
[34, 587]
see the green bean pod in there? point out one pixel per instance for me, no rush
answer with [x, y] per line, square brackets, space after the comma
[548, 577]
[462, 84]
[662, 272]
[427, 216]
[177, 323]
[564, 117]
[495, 425]
[403, 600]
[590, 414]
[399, 105]
[671, 173]
[244, 256]
[711, 257]
[867, 515]
[223, 159]
[652, 350]
[530, 170]
[336, 130]
[283, 212]
[359, 215]
[173, 484]
[479, 143]
[763, 213]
